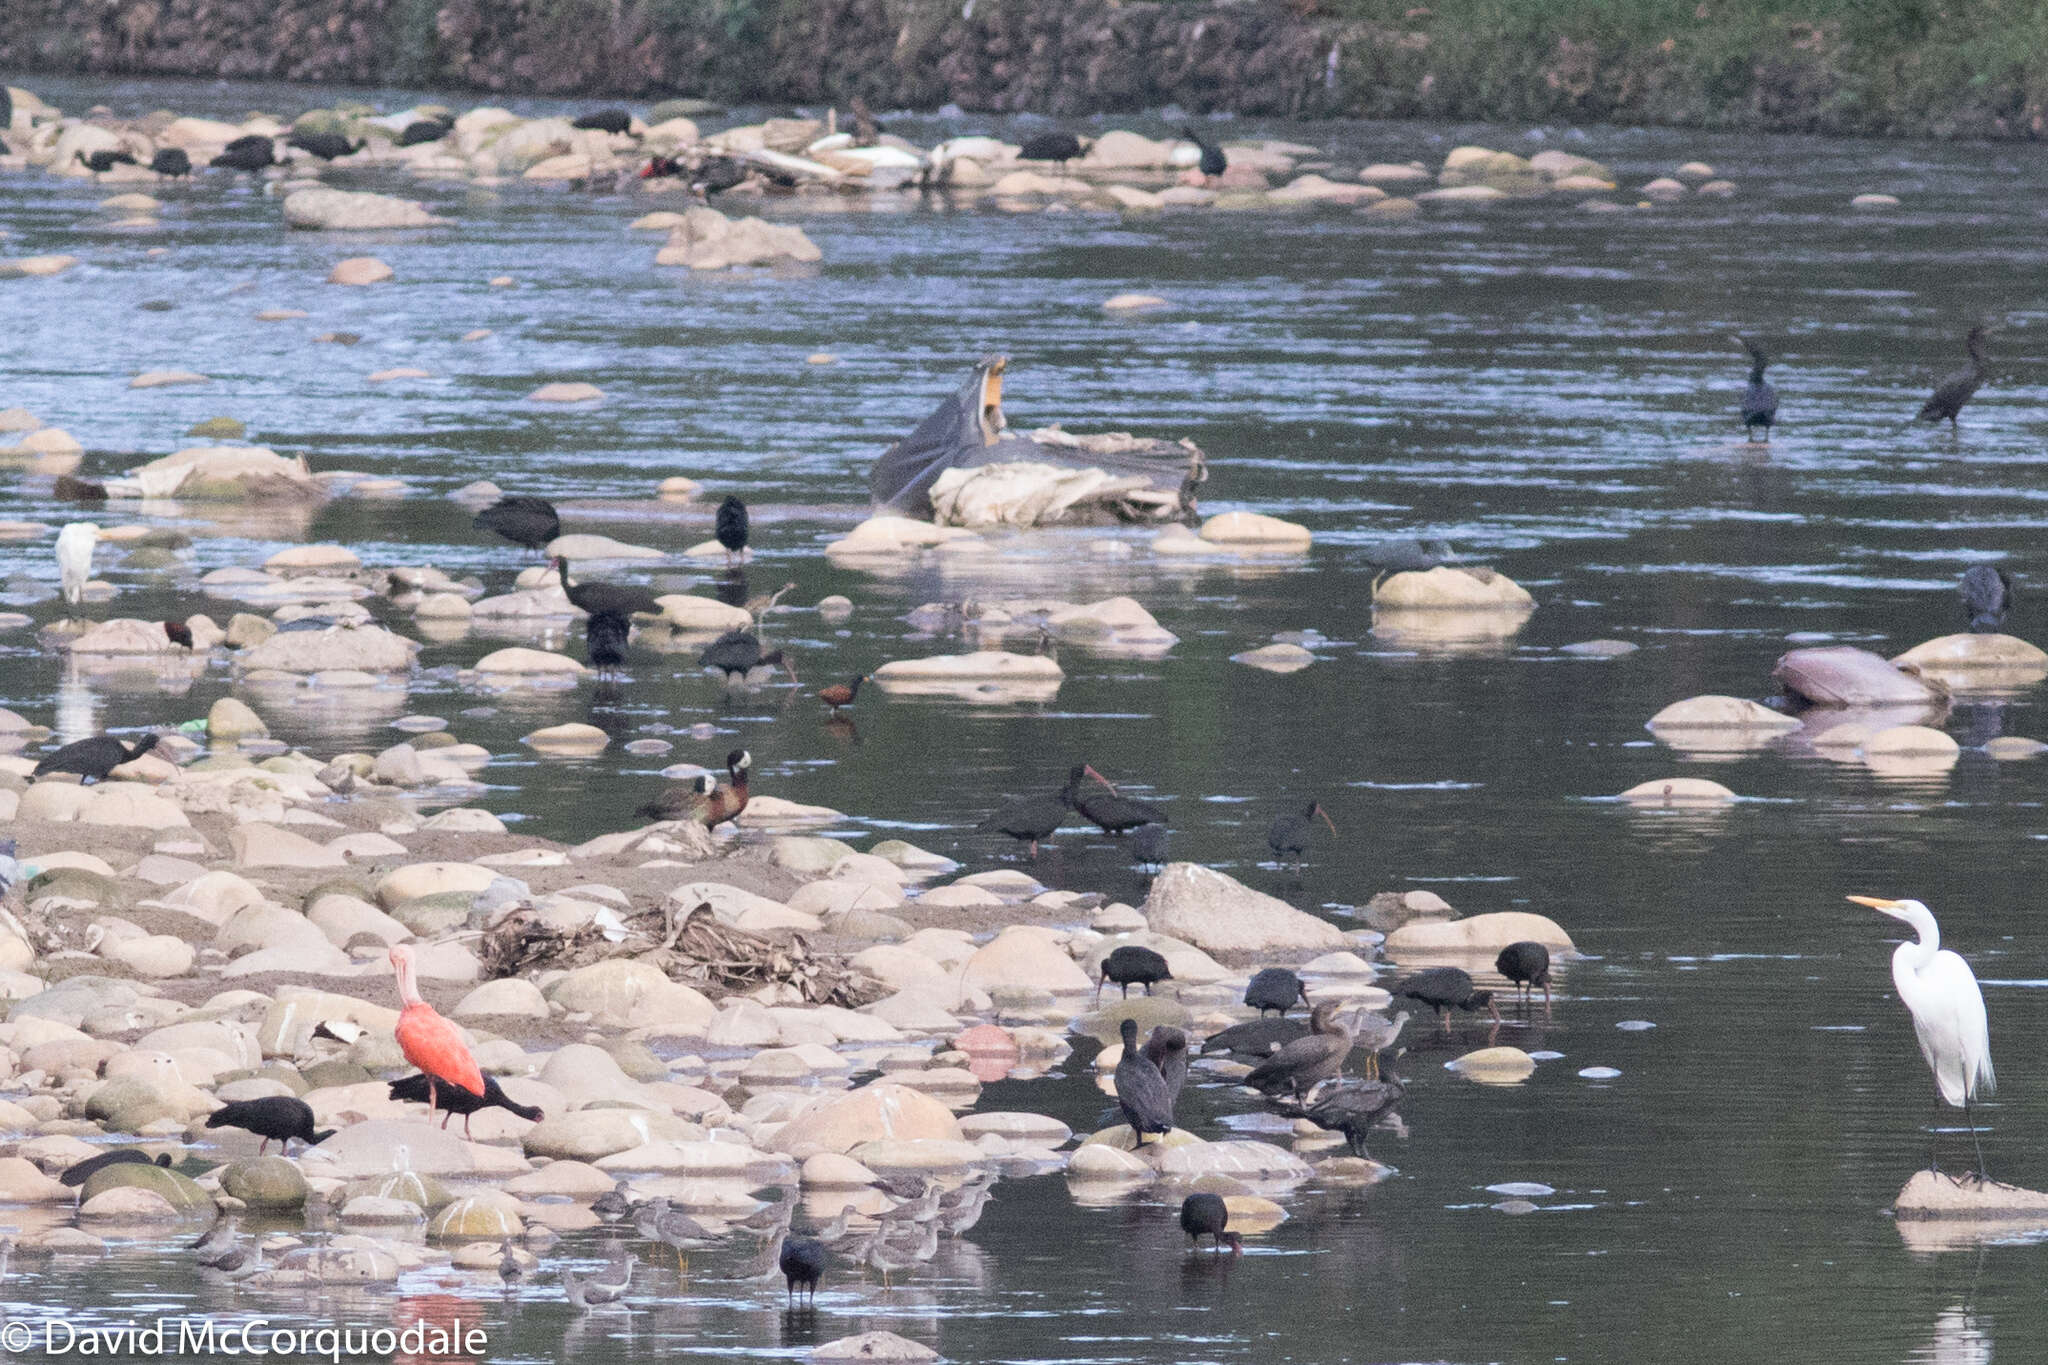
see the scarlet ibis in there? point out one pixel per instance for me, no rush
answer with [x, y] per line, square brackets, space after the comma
[1275, 988]
[1444, 989]
[1287, 836]
[607, 1284]
[732, 529]
[92, 759]
[326, 146]
[173, 161]
[1206, 1215]
[274, 1118]
[1759, 400]
[1305, 1061]
[1526, 964]
[74, 558]
[251, 153]
[429, 1041]
[802, 1263]
[604, 640]
[178, 633]
[1958, 388]
[453, 1100]
[1111, 811]
[1214, 163]
[1987, 596]
[1140, 1089]
[1166, 1047]
[688, 801]
[106, 159]
[604, 121]
[615, 599]
[1353, 1107]
[1035, 818]
[77, 1173]
[1130, 966]
[531, 522]
[841, 695]
[1060, 146]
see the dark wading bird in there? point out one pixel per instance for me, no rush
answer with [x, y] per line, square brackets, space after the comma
[731, 529]
[125, 1156]
[92, 759]
[1987, 597]
[840, 695]
[106, 159]
[1353, 1107]
[1759, 400]
[1130, 966]
[1275, 988]
[616, 599]
[326, 146]
[1958, 388]
[173, 161]
[1148, 847]
[274, 1118]
[608, 1284]
[1112, 812]
[425, 130]
[1400, 553]
[1213, 162]
[604, 640]
[1141, 1090]
[1166, 1047]
[178, 633]
[1940, 991]
[1306, 1061]
[737, 654]
[1206, 1215]
[251, 153]
[1059, 146]
[710, 808]
[1288, 835]
[1444, 989]
[1035, 818]
[531, 522]
[802, 1263]
[1257, 1040]
[453, 1100]
[1527, 964]
[604, 121]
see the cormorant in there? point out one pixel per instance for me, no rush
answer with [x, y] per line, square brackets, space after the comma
[1987, 597]
[1166, 1047]
[1951, 393]
[1759, 400]
[1214, 163]
[732, 529]
[1140, 1090]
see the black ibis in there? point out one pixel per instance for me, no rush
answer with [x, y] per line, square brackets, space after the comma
[178, 633]
[1059, 146]
[251, 153]
[1213, 162]
[1759, 400]
[1257, 1040]
[1111, 811]
[1987, 597]
[1148, 847]
[1526, 964]
[731, 529]
[274, 1118]
[840, 695]
[604, 640]
[1305, 1061]
[78, 1173]
[1166, 1047]
[617, 599]
[453, 1099]
[1130, 966]
[425, 130]
[1288, 835]
[1035, 818]
[604, 121]
[1141, 1090]
[527, 521]
[803, 1264]
[1206, 1215]
[1275, 988]
[738, 655]
[106, 158]
[1958, 388]
[326, 146]
[173, 161]
[1444, 989]
[92, 759]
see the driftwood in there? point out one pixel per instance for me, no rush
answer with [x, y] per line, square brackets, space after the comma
[693, 948]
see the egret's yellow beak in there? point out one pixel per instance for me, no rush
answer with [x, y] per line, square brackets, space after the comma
[1874, 903]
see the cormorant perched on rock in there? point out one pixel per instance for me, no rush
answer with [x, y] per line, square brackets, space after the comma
[105, 159]
[1759, 400]
[802, 1262]
[1058, 146]
[1130, 966]
[1213, 163]
[1444, 989]
[1166, 1047]
[171, 161]
[1035, 818]
[251, 153]
[604, 121]
[1206, 1215]
[1306, 1061]
[1275, 988]
[453, 1099]
[527, 521]
[616, 599]
[274, 1118]
[1288, 835]
[1951, 393]
[1353, 1107]
[1526, 964]
[326, 146]
[732, 529]
[1140, 1090]
[1987, 597]
[92, 759]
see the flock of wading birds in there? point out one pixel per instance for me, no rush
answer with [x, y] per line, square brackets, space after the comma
[1298, 1067]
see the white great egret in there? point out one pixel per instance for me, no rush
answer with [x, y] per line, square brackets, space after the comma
[1940, 991]
[74, 558]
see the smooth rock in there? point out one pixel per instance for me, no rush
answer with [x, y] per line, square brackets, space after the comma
[1217, 913]
[1487, 933]
[358, 270]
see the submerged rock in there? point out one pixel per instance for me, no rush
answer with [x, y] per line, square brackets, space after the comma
[1842, 675]
[1678, 791]
[228, 473]
[708, 240]
[347, 210]
[1463, 587]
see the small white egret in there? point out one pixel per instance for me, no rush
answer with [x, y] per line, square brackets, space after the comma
[1940, 991]
[74, 558]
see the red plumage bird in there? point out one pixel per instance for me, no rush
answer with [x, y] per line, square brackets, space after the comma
[429, 1041]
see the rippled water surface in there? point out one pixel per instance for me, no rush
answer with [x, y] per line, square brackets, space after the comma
[1550, 389]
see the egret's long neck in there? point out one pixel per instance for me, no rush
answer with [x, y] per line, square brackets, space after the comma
[1909, 958]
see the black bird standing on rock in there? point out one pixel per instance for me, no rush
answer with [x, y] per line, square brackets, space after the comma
[732, 529]
[803, 1264]
[1987, 597]
[1140, 1090]
[92, 759]
[604, 121]
[1275, 988]
[1060, 146]
[1288, 835]
[1130, 966]
[1444, 989]
[1257, 1040]
[1166, 1047]
[106, 159]
[1526, 964]
[1957, 389]
[453, 1099]
[1213, 163]
[1355, 1106]
[425, 130]
[326, 146]
[1206, 1215]
[274, 1118]
[531, 522]
[251, 153]
[1759, 400]
[171, 161]
[125, 1156]
[615, 599]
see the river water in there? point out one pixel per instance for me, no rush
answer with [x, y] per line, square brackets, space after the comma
[1552, 390]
